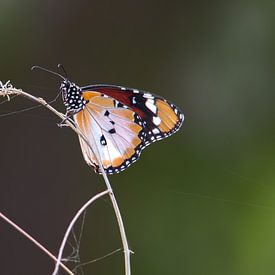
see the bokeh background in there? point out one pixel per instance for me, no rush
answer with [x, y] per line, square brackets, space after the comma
[200, 202]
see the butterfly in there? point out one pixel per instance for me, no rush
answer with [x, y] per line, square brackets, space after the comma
[122, 121]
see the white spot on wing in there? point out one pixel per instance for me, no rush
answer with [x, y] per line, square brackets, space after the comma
[151, 105]
[149, 96]
[155, 131]
[156, 120]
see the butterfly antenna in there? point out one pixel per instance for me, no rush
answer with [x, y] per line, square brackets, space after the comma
[60, 66]
[49, 71]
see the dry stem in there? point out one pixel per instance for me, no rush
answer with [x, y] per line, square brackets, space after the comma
[7, 90]
[39, 245]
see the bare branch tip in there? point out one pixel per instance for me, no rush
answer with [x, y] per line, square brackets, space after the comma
[5, 89]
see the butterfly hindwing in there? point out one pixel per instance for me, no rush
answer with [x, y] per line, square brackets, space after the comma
[117, 131]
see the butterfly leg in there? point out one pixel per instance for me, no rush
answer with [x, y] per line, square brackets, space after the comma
[63, 122]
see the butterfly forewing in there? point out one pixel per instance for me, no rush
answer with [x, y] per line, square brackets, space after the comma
[160, 117]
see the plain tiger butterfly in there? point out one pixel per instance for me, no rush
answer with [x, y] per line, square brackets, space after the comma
[123, 121]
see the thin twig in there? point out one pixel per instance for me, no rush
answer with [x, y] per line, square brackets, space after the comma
[7, 90]
[39, 245]
[126, 249]
[72, 223]
[98, 259]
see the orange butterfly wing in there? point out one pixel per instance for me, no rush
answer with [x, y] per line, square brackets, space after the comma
[161, 118]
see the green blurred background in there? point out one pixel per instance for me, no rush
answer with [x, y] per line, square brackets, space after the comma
[200, 202]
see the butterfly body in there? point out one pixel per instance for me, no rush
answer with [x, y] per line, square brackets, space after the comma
[72, 97]
[122, 121]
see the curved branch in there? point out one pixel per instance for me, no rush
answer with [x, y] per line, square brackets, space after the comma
[72, 223]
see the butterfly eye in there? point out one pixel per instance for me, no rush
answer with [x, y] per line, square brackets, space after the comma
[62, 85]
